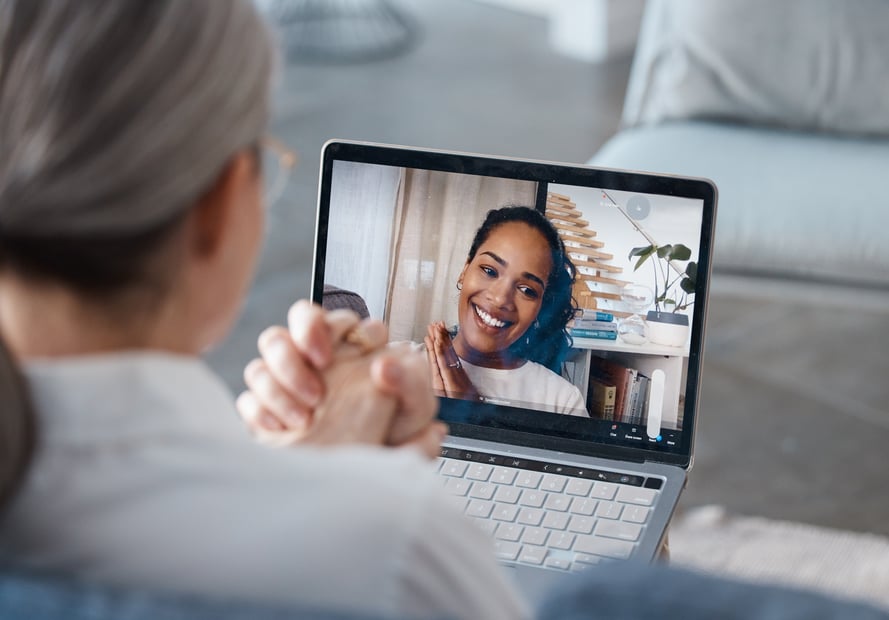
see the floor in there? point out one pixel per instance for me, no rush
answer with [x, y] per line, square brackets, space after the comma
[794, 416]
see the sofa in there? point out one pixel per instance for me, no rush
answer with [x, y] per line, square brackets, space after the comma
[619, 592]
[784, 105]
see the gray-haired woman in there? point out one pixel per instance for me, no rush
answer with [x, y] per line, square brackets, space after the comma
[131, 138]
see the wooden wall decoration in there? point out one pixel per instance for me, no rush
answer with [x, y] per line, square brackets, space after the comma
[595, 279]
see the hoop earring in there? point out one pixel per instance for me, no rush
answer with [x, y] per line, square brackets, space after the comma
[459, 285]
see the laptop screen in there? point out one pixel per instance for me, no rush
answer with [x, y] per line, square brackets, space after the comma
[560, 306]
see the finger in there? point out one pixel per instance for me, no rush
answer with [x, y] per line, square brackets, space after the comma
[273, 399]
[309, 331]
[446, 366]
[428, 442]
[340, 322]
[451, 369]
[357, 338]
[441, 353]
[256, 418]
[405, 376]
[293, 372]
[432, 361]
[263, 429]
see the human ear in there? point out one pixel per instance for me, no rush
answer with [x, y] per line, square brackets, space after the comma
[462, 274]
[212, 216]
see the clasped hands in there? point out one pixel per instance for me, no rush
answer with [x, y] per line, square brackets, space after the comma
[329, 378]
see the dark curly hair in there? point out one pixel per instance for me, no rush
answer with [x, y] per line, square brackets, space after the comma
[547, 340]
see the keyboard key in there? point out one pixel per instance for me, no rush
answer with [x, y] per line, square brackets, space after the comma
[604, 490]
[502, 475]
[561, 540]
[619, 529]
[458, 502]
[581, 525]
[506, 550]
[530, 516]
[636, 495]
[454, 468]
[482, 490]
[555, 521]
[486, 525]
[608, 547]
[585, 558]
[479, 508]
[532, 555]
[635, 514]
[556, 562]
[579, 486]
[509, 531]
[505, 512]
[583, 506]
[509, 495]
[557, 502]
[479, 471]
[456, 486]
[533, 499]
[609, 510]
[529, 479]
[553, 483]
[535, 536]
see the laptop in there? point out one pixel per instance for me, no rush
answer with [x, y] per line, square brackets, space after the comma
[583, 460]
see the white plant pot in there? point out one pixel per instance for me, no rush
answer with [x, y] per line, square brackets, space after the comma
[667, 328]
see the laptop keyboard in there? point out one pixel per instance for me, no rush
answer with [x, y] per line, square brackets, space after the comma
[548, 514]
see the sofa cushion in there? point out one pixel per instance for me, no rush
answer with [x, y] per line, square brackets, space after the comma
[628, 591]
[809, 64]
[790, 204]
[43, 596]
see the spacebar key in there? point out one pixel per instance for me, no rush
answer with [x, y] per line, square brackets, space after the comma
[607, 547]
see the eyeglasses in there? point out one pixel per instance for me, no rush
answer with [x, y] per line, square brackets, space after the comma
[278, 163]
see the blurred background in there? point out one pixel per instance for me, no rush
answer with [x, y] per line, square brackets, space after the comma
[794, 417]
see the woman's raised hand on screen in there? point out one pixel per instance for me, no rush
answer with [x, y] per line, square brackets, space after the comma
[449, 378]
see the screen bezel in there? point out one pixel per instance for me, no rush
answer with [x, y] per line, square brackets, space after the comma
[507, 424]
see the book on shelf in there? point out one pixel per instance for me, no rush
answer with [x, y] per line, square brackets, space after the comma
[601, 334]
[617, 374]
[591, 324]
[593, 315]
[602, 398]
[634, 413]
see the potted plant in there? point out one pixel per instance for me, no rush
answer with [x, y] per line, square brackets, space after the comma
[674, 289]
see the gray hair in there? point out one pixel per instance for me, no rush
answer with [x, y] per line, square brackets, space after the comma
[115, 117]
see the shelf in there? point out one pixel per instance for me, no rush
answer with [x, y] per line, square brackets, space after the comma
[620, 346]
[593, 243]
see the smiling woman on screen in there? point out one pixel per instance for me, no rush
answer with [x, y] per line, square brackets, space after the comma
[514, 305]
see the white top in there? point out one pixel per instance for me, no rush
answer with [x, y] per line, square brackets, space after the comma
[530, 385]
[145, 477]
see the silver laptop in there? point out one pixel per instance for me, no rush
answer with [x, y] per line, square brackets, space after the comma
[571, 431]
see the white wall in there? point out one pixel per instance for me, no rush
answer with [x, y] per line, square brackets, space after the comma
[590, 30]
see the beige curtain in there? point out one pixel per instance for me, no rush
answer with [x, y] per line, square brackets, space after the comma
[437, 214]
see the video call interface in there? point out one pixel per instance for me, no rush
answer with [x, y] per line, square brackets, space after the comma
[458, 266]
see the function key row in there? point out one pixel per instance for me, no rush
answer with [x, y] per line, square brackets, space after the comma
[504, 475]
